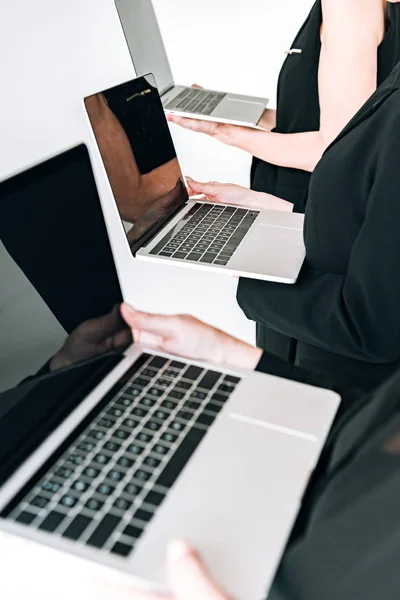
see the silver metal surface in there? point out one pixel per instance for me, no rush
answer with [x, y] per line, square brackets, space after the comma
[252, 468]
[272, 250]
[235, 500]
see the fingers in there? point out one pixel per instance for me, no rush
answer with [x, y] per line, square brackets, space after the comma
[158, 325]
[192, 124]
[211, 188]
[189, 578]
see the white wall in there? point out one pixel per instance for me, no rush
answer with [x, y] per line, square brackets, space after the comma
[56, 52]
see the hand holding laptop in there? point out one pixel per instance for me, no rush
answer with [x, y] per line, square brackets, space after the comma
[189, 579]
[229, 193]
[187, 336]
[223, 132]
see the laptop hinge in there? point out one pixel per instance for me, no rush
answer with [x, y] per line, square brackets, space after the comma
[151, 233]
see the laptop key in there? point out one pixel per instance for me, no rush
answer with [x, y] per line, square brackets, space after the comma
[52, 521]
[121, 549]
[103, 531]
[143, 515]
[25, 517]
[39, 501]
[94, 505]
[179, 459]
[133, 489]
[193, 373]
[209, 380]
[133, 531]
[195, 256]
[77, 527]
[208, 258]
[205, 419]
[158, 361]
[154, 498]
[122, 504]
[232, 379]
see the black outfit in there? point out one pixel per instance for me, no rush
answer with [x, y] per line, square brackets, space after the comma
[346, 543]
[345, 307]
[298, 111]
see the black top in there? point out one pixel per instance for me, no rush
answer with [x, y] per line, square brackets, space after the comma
[345, 307]
[298, 100]
[346, 544]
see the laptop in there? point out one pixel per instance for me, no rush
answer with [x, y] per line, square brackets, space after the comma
[108, 449]
[162, 222]
[148, 54]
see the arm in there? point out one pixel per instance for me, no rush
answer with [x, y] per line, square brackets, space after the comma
[355, 314]
[347, 77]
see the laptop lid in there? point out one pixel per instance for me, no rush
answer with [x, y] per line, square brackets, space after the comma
[60, 328]
[144, 40]
[136, 146]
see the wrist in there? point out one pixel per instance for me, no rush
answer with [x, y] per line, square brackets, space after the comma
[59, 361]
[270, 202]
[240, 354]
[227, 134]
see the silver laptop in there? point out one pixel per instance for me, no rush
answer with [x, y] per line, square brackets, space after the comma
[108, 449]
[162, 222]
[148, 54]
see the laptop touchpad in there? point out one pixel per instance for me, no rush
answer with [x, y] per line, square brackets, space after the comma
[277, 252]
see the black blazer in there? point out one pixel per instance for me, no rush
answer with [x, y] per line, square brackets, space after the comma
[345, 307]
[347, 545]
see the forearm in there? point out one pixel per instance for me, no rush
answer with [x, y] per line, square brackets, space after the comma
[268, 120]
[270, 202]
[296, 150]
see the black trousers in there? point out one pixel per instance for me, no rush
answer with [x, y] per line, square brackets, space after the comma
[275, 343]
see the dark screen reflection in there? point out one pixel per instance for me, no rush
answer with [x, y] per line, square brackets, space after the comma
[138, 153]
[60, 295]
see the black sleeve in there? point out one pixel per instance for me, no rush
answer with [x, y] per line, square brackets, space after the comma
[351, 555]
[357, 314]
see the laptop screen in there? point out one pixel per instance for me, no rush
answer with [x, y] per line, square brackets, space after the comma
[133, 136]
[59, 290]
[144, 41]
[59, 296]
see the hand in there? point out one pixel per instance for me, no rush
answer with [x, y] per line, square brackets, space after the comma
[93, 338]
[229, 193]
[188, 578]
[189, 337]
[223, 132]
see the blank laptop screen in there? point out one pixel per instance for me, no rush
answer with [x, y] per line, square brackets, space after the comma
[136, 146]
[144, 41]
[59, 286]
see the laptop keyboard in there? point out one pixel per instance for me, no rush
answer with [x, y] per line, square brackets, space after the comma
[196, 101]
[210, 236]
[106, 487]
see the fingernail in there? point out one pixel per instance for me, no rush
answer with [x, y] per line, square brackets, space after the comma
[189, 178]
[178, 549]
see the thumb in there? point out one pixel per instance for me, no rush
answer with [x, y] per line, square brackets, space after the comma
[188, 577]
[211, 188]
